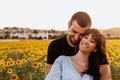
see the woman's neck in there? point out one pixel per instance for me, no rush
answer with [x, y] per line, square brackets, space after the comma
[82, 58]
[80, 62]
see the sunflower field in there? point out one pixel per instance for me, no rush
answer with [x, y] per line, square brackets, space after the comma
[23, 60]
[26, 59]
[113, 55]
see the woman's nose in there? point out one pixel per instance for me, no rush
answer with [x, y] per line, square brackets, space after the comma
[86, 40]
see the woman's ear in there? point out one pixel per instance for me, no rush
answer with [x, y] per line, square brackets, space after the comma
[95, 50]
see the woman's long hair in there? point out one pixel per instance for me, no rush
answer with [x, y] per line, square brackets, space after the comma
[99, 57]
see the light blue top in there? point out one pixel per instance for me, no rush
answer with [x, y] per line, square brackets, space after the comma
[63, 69]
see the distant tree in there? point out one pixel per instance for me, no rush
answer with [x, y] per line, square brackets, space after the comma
[108, 35]
[34, 37]
[63, 34]
[7, 36]
[15, 27]
[21, 38]
[30, 36]
[49, 36]
[14, 37]
[40, 38]
[53, 37]
[6, 27]
[35, 31]
[52, 31]
[1, 37]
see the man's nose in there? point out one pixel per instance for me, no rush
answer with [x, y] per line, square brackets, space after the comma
[77, 37]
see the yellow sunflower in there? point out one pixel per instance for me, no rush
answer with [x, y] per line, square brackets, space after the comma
[14, 77]
[9, 71]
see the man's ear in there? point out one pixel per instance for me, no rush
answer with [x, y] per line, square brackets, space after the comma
[69, 24]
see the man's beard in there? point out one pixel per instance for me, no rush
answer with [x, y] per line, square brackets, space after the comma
[72, 41]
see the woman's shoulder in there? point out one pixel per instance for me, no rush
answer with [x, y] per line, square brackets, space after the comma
[62, 58]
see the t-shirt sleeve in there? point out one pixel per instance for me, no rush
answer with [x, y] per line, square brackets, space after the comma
[52, 52]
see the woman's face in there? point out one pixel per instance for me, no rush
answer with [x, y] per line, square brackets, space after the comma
[87, 44]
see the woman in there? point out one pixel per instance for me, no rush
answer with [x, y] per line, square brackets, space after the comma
[85, 64]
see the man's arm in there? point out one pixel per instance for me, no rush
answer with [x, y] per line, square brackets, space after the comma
[48, 67]
[52, 54]
[105, 72]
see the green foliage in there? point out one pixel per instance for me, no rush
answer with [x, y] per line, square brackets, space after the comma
[115, 71]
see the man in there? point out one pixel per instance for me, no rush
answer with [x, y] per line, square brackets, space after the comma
[77, 27]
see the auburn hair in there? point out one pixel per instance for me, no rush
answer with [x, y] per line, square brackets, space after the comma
[99, 57]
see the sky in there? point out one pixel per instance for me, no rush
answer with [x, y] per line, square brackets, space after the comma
[55, 14]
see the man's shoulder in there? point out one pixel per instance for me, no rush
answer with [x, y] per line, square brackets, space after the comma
[58, 40]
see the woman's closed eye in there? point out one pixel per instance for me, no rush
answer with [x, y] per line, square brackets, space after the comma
[92, 41]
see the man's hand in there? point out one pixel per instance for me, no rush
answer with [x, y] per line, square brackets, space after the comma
[105, 72]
